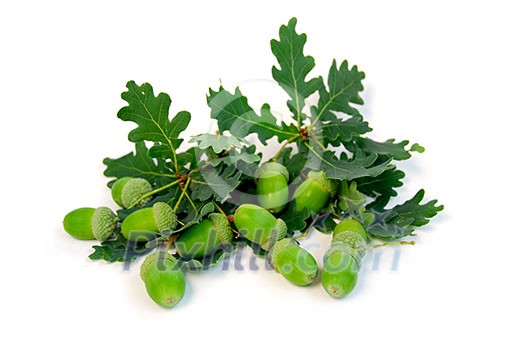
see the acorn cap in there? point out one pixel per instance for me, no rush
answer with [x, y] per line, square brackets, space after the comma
[164, 216]
[133, 190]
[271, 167]
[154, 258]
[277, 248]
[339, 247]
[327, 184]
[103, 223]
[349, 238]
[278, 232]
[222, 226]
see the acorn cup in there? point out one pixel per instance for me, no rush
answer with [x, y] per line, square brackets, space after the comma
[342, 261]
[127, 191]
[259, 226]
[144, 224]
[205, 237]
[88, 223]
[163, 278]
[272, 186]
[296, 264]
[314, 192]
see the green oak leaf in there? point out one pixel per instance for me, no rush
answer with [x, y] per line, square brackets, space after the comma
[344, 87]
[151, 114]
[195, 217]
[338, 168]
[389, 147]
[293, 68]
[218, 142]
[137, 164]
[294, 219]
[340, 131]
[215, 183]
[234, 114]
[382, 187]
[350, 200]
[119, 250]
[403, 219]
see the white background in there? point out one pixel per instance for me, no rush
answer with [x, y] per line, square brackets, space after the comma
[447, 74]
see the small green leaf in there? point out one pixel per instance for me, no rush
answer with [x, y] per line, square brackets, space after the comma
[388, 148]
[417, 148]
[135, 165]
[336, 168]
[215, 182]
[339, 131]
[293, 68]
[195, 217]
[402, 220]
[344, 87]
[150, 113]
[234, 114]
[351, 201]
[119, 250]
[294, 219]
[382, 187]
[218, 142]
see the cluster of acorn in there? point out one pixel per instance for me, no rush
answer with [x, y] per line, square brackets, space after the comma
[160, 271]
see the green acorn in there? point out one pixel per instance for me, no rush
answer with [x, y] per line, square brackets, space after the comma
[314, 192]
[127, 191]
[165, 282]
[89, 223]
[343, 260]
[143, 224]
[296, 264]
[258, 225]
[272, 186]
[205, 237]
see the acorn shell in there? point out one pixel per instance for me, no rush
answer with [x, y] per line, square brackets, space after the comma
[205, 237]
[296, 264]
[255, 223]
[320, 178]
[339, 274]
[77, 223]
[270, 168]
[165, 283]
[154, 258]
[140, 225]
[310, 195]
[116, 190]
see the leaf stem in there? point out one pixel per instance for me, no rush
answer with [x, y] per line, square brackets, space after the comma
[220, 209]
[393, 243]
[154, 191]
[316, 140]
[176, 207]
[283, 147]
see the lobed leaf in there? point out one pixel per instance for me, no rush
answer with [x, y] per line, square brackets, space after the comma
[293, 68]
